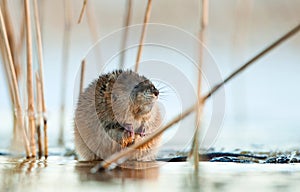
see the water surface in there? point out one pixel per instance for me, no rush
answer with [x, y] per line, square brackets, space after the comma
[64, 174]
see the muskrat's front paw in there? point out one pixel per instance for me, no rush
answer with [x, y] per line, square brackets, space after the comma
[129, 129]
[141, 130]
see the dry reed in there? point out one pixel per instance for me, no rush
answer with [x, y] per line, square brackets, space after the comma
[64, 72]
[127, 22]
[46, 153]
[41, 74]
[13, 83]
[117, 157]
[39, 114]
[11, 38]
[30, 95]
[91, 20]
[82, 71]
[143, 35]
[199, 109]
[82, 11]
[20, 45]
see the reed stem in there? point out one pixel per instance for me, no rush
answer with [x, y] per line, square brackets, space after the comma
[41, 68]
[39, 114]
[64, 72]
[82, 71]
[127, 22]
[20, 44]
[10, 36]
[12, 39]
[40, 53]
[14, 83]
[200, 105]
[92, 23]
[30, 109]
[143, 35]
[46, 153]
[82, 11]
[255, 58]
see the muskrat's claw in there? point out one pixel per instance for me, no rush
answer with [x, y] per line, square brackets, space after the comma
[141, 130]
[129, 129]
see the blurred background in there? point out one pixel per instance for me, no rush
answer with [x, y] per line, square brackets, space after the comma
[261, 105]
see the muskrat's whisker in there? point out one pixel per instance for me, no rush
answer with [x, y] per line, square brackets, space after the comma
[163, 96]
[165, 88]
[166, 92]
[164, 99]
[162, 87]
[158, 82]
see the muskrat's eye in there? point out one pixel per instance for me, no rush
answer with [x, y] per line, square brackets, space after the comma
[152, 87]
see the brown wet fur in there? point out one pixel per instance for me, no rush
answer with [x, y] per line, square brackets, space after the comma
[106, 106]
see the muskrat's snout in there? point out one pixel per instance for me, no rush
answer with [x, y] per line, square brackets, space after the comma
[155, 92]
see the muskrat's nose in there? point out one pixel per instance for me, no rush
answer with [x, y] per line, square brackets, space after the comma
[155, 92]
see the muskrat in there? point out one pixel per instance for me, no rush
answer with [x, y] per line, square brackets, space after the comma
[113, 112]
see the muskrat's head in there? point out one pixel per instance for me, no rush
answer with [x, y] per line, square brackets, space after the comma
[134, 92]
[143, 96]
